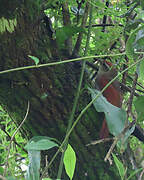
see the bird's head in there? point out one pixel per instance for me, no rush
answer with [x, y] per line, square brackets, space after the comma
[107, 67]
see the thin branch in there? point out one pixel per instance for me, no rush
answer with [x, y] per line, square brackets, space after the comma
[79, 7]
[105, 16]
[80, 36]
[117, 139]
[129, 110]
[103, 25]
[142, 173]
[100, 141]
[139, 90]
[60, 62]
[66, 22]
[131, 157]
[6, 165]
[128, 89]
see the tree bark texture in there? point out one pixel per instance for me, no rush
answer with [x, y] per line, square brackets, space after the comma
[49, 90]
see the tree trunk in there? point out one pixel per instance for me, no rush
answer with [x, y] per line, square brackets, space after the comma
[49, 90]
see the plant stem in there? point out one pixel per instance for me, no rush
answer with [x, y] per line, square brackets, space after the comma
[76, 97]
[61, 62]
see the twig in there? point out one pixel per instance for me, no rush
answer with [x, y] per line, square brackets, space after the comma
[103, 25]
[6, 165]
[105, 16]
[100, 141]
[142, 173]
[117, 139]
[125, 75]
[79, 7]
[129, 111]
[61, 62]
[66, 22]
[131, 157]
[128, 89]
[139, 90]
[79, 39]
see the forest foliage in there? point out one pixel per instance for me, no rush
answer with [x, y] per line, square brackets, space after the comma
[85, 31]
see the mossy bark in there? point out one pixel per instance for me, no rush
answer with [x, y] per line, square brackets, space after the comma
[50, 92]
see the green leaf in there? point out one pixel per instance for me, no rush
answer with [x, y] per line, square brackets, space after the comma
[36, 60]
[66, 32]
[40, 143]
[133, 24]
[69, 161]
[134, 173]
[122, 143]
[99, 4]
[140, 69]
[1, 170]
[139, 41]
[142, 4]
[119, 166]
[33, 171]
[115, 116]
[139, 104]
[134, 41]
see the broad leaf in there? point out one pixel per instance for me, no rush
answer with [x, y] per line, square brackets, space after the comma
[120, 166]
[139, 104]
[69, 161]
[40, 143]
[135, 42]
[115, 116]
[139, 41]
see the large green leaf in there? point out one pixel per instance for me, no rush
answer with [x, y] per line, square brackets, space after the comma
[40, 143]
[115, 116]
[69, 161]
[119, 166]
